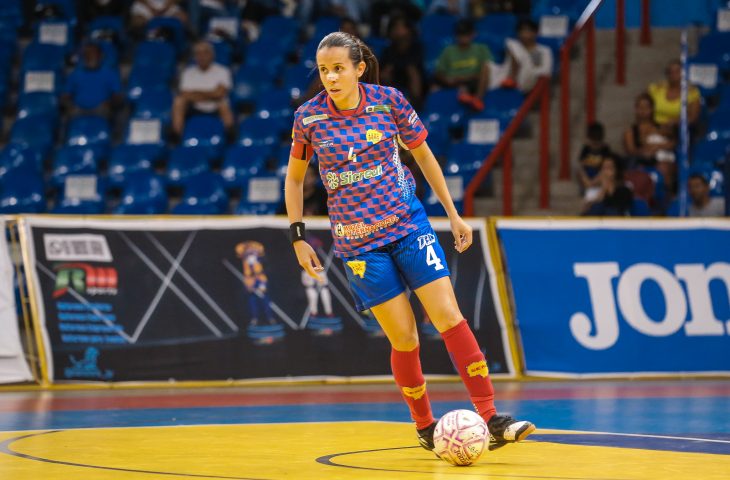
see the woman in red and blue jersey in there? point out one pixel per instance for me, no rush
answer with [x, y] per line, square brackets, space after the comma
[380, 229]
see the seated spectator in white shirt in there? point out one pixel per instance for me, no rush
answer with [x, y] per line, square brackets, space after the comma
[701, 204]
[203, 90]
[143, 10]
[527, 60]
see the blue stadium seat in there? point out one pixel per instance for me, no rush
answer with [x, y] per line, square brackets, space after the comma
[145, 81]
[324, 25]
[466, 159]
[503, 103]
[241, 163]
[38, 56]
[36, 132]
[38, 103]
[297, 79]
[571, 8]
[22, 191]
[723, 105]
[11, 12]
[143, 193]
[154, 104]
[275, 104]
[204, 194]
[76, 203]
[499, 25]
[483, 129]
[432, 51]
[149, 132]
[73, 160]
[91, 131]
[43, 81]
[187, 162]
[718, 127]
[280, 31]
[107, 29]
[172, 26]
[436, 26]
[223, 52]
[261, 195]
[265, 56]
[260, 131]
[711, 153]
[205, 131]
[716, 46]
[496, 45]
[248, 85]
[66, 9]
[159, 57]
[442, 108]
[20, 157]
[126, 160]
[308, 53]
[706, 74]
[714, 177]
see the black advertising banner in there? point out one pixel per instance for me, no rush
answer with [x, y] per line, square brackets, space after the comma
[216, 299]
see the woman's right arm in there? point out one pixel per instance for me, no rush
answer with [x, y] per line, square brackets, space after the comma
[294, 198]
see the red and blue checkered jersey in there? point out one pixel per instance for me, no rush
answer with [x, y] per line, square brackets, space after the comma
[370, 193]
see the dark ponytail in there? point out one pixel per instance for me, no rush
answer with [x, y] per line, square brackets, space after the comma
[359, 52]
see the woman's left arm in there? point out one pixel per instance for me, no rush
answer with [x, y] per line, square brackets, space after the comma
[434, 176]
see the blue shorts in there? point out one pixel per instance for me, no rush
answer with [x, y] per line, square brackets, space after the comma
[384, 273]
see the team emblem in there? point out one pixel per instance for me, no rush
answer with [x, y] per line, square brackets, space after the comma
[333, 181]
[358, 268]
[414, 392]
[373, 136]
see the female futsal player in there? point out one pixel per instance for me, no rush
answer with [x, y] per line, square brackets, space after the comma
[380, 228]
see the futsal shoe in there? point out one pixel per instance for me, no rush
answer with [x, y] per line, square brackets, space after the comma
[425, 436]
[504, 429]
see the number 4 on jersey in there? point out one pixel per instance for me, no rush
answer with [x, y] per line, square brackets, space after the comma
[432, 258]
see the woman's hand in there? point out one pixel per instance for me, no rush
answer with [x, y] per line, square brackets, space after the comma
[307, 258]
[462, 234]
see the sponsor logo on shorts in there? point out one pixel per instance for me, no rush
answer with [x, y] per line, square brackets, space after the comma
[414, 392]
[350, 177]
[314, 118]
[362, 229]
[357, 267]
[478, 369]
[373, 136]
[426, 240]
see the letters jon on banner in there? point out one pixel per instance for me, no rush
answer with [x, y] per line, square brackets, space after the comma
[216, 299]
[621, 297]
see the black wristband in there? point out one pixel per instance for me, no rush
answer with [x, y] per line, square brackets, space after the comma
[296, 231]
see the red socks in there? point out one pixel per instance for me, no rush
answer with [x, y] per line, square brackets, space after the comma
[409, 378]
[472, 366]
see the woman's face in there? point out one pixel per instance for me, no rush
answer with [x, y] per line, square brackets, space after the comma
[608, 169]
[339, 76]
[643, 110]
[674, 74]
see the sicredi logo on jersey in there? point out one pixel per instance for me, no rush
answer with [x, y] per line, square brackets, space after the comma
[602, 331]
[350, 177]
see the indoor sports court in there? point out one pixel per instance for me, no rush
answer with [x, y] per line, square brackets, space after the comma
[586, 430]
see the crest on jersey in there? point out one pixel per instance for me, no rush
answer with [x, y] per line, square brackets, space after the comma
[314, 118]
[373, 136]
[358, 267]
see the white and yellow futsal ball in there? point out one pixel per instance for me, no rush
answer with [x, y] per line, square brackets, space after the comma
[460, 437]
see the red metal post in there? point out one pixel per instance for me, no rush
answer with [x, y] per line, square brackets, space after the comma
[645, 23]
[621, 42]
[545, 147]
[507, 181]
[565, 111]
[591, 70]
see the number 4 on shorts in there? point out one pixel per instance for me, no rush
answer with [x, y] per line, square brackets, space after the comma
[432, 258]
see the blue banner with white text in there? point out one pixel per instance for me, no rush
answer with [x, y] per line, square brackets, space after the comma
[605, 297]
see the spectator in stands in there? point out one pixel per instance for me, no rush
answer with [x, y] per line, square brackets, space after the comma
[527, 60]
[90, 9]
[594, 151]
[614, 198]
[203, 90]
[144, 10]
[701, 203]
[92, 88]
[667, 100]
[401, 64]
[460, 8]
[647, 145]
[465, 65]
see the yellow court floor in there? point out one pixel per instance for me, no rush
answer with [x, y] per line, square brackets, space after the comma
[337, 450]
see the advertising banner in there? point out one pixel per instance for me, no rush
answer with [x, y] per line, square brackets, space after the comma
[224, 298]
[620, 297]
[13, 367]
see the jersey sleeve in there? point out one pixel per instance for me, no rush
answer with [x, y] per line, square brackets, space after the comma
[410, 128]
[301, 148]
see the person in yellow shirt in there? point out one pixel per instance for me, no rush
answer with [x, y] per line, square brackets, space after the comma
[667, 99]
